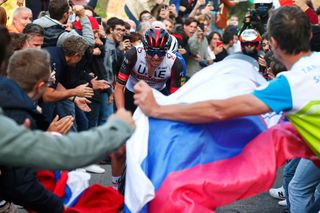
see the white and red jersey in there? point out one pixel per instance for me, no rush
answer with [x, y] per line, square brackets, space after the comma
[134, 68]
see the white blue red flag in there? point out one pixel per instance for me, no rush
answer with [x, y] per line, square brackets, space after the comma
[181, 167]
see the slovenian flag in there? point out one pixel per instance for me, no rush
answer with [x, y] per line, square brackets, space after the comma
[180, 167]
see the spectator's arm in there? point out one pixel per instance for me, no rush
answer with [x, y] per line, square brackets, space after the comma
[196, 8]
[22, 147]
[193, 44]
[87, 32]
[52, 95]
[313, 17]
[61, 93]
[229, 4]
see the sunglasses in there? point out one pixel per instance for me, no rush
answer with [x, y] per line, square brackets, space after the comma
[160, 53]
[145, 17]
[250, 43]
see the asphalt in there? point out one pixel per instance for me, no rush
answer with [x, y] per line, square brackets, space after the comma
[262, 203]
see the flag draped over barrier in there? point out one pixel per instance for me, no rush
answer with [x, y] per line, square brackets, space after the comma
[180, 167]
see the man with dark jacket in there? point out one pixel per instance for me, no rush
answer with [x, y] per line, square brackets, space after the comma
[55, 33]
[17, 96]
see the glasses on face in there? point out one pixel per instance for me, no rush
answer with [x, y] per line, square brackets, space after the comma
[159, 53]
[249, 43]
[146, 17]
[264, 44]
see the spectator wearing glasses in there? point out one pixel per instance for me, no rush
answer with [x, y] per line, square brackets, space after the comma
[250, 43]
[146, 16]
[151, 62]
[115, 30]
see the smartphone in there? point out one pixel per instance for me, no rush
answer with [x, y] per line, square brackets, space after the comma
[98, 18]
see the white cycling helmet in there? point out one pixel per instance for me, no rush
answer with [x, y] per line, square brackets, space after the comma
[173, 42]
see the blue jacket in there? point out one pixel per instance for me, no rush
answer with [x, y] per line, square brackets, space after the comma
[20, 184]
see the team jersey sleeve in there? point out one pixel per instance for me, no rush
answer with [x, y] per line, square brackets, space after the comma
[128, 63]
[276, 95]
[176, 72]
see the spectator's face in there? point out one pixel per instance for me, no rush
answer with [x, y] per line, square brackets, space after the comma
[164, 13]
[73, 60]
[265, 45]
[35, 42]
[40, 88]
[147, 17]
[118, 33]
[172, 9]
[22, 19]
[206, 27]
[234, 21]
[190, 29]
[250, 48]
[214, 40]
[169, 26]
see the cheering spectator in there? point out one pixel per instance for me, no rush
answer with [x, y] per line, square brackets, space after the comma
[21, 17]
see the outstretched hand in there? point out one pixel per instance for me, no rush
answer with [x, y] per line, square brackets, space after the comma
[99, 84]
[82, 103]
[144, 98]
[84, 90]
[62, 126]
